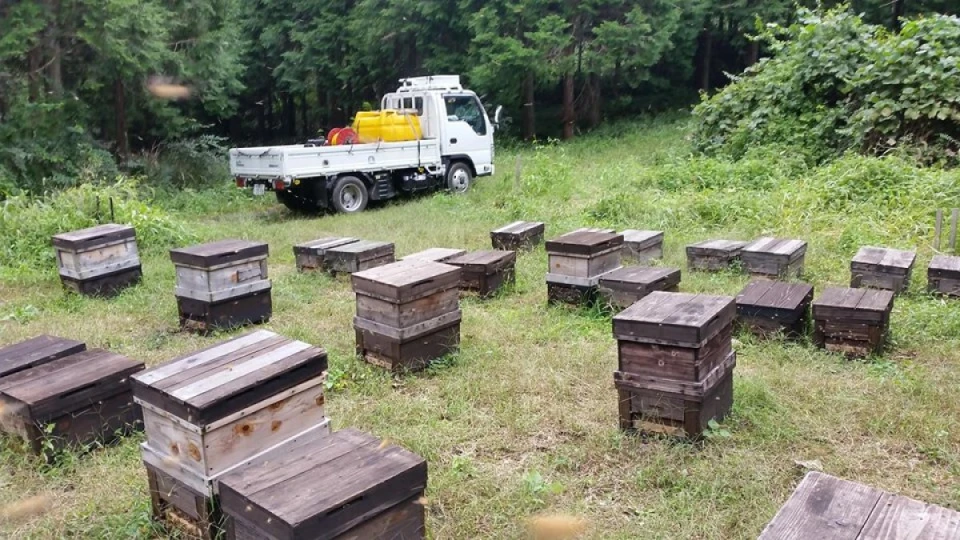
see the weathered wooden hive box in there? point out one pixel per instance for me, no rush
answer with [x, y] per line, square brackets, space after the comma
[676, 362]
[852, 321]
[882, 268]
[774, 257]
[485, 272]
[517, 236]
[943, 275]
[222, 284]
[770, 307]
[99, 261]
[350, 485]
[577, 260]
[714, 255]
[210, 411]
[408, 313]
[358, 256]
[310, 255]
[626, 286]
[435, 255]
[55, 393]
[642, 246]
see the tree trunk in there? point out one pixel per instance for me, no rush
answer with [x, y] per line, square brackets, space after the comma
[33, 72]
[120, 118]
[593, 102]
[304, 124]
[52, 46]
[569, 112]
[898, 6]
[289, 115]
[262, 120]
[529, 116]
[706, 56]
[753, 53]
[268, 104]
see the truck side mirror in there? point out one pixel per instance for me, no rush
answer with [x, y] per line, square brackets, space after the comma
[496, 115]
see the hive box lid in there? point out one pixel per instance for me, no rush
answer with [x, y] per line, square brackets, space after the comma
[885, 258]
[69, 383]
[520, 227]
[320, 490]
[93, 236]
[585, 242]
[35, 352]
[212, 383]
[434, 254]
[716, 247]
[217, 253]
[776, 246]
[405, 281]
[487, 262]
[944, 266]
[774, 294]
[642, 239]
[321, 245]
[364, 249]
[853, 304]
[641, 275]
[686, 320]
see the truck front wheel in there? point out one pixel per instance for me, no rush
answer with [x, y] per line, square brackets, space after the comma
[350, 195]
[459, 177]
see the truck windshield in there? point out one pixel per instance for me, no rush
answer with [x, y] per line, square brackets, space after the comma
[467, 109]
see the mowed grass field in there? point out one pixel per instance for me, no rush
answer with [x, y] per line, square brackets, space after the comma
[523, 421]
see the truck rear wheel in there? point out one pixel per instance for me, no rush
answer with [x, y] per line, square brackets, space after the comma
[459, 177]
[350, 195]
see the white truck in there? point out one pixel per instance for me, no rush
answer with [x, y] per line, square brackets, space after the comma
[456, 147]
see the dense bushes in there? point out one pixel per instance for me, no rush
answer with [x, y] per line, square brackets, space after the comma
[836, 83]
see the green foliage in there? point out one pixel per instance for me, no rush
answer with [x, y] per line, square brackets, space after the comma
[836, 83]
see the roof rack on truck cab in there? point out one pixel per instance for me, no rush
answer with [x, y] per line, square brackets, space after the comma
[433, 82]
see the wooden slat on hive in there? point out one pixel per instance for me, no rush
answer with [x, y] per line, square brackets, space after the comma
[894, 258]
[836, 301]
[434, 254]
[790, 247]
[716, 247]
[484, 261]
[519, 227]
[36, 351]
[321, 245]
[869, 255]
[198, 358]
[876, 300]
[585, 242]
[93, 236]
[649, 275]
[214, 360]
[762, 245]
[753, 292]
[404, 281]
[794, 294]
[366, 248]
[944, 266]
[642, 239]
[901, 518]
[823, 507]
[217, 253]
[681, 318]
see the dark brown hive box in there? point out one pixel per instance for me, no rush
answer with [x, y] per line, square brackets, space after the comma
[882, 268]
[626, 286]
[84, 394]
[576, 262]
[774, 257]
[408, 313]
[642, 246]
[484, 272]
[943, 275]
[714, 255]
[767, 307]
[310, 255]
[99, 261]
[517, 236]
[852, 321]
[435, 254]
[351, 485]
[358, 256]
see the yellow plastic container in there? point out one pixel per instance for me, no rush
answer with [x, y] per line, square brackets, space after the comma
[388, 125]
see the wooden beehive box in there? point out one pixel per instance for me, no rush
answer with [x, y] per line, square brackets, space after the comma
[852, 321]
[435, 255]
[774, 257]
[310, 255]
[55, 393]
[485, 272]
[517, 236]
[408, 313]
[623, 287]
[359, 256]
[349, 486]
[882, 268]
[642, 246]
[576, 262]
[99, 261]
[768, 307]
[943, 275]
[713, 255]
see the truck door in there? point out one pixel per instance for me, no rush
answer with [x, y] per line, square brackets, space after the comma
[468, 131]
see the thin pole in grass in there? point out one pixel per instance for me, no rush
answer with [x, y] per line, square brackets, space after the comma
[517, 169]
[937, 230]
[954, 216]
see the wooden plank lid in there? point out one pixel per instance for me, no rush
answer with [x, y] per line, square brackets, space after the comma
[777, 247]
[405, 281]
[520, 227]
[364, 249]
[321, 489]
[435, 254]
[642, 239]
[217, 253]
[93, 236]
[853, 304]
[585, 242]
[944, 266]
[488, 261]
[884, 258]
[686, 320]
[212, 383]
[716, 247]
[321, 245]
[35, 352]
[641, 275]
[774, 294]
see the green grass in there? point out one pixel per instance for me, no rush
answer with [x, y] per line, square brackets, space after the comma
[523, 420]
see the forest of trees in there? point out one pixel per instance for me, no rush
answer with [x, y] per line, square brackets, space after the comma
[74, 74]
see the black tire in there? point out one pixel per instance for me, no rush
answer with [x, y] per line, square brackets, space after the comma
[296, 202]
[350, 195]
[459, 177]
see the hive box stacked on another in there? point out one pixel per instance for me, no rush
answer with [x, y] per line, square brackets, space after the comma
[408, 313]
[676, 362]
[222, 284]
[210, 411]
[358, 256]
[435, 254]
[882, 268]
[713, 255]
[310, 255]
[642, 246]
[100, 260]
[767, 307]
[577, 260]
[774, 257]
[349, 486]
[517, 236]
[943, 275]
[626, 286]
[852, 321]
[54, 390]
[484, 272]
